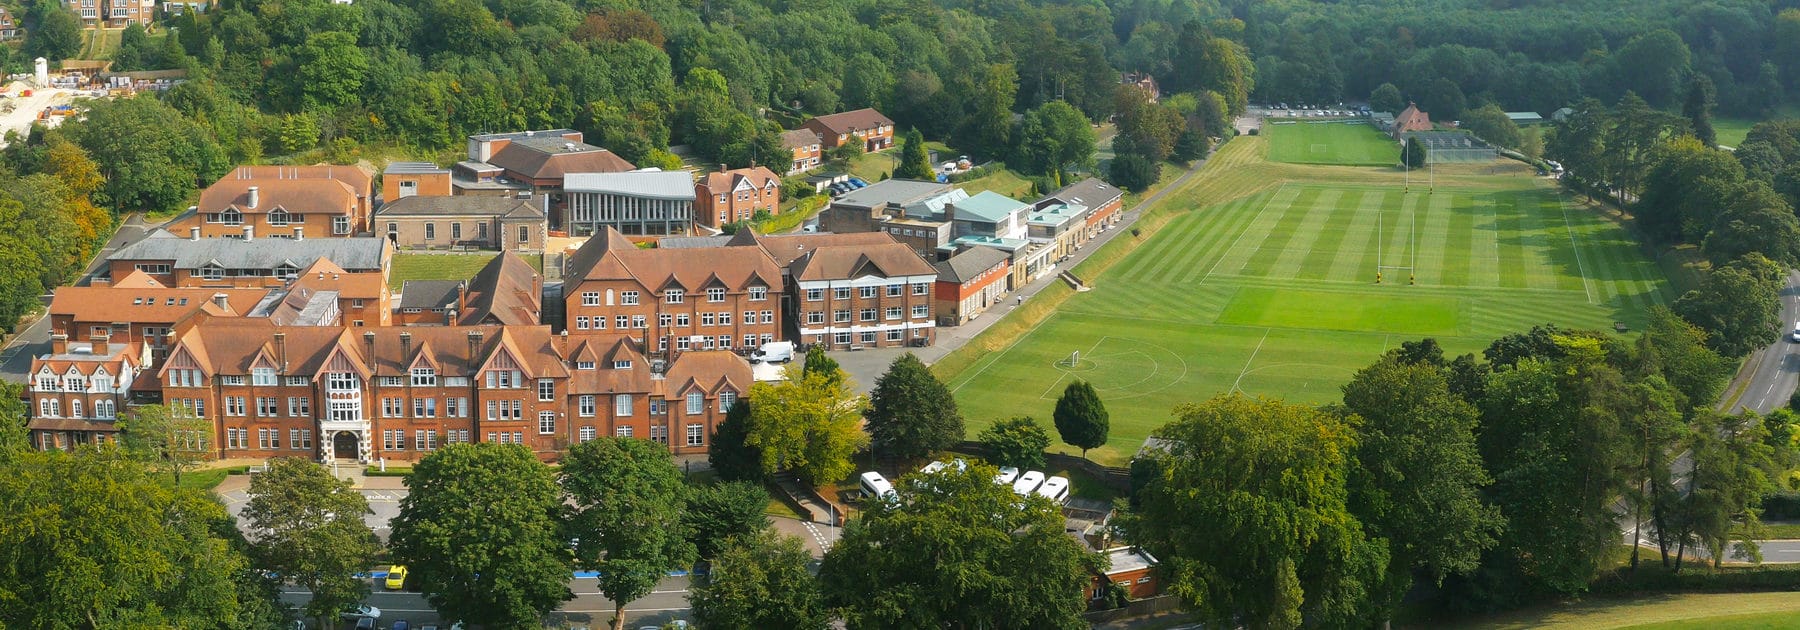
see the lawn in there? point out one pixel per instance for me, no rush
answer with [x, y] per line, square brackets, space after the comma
[1260, 278]
[445, 266]
[1323, 142]
[1662, 612]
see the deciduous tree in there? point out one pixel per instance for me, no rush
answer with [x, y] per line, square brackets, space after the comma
[1081, 418]
[958, 549]
[809, 424]
[308, 528]
[167, 439]
[1491, 123]
[730, 456]
[721, 511]
[1019, 442]
[1249, 515]
[911, 413]
[627, 519]
[1738, 305]
[760, 581]
[1386, 98]
[480, 532]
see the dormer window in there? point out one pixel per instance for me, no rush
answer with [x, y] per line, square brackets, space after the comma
[621, 365]
[424, 377]
[278, 218]
[286, 271]
[715, 295]
[211, 271]
[758, 294]
[231, 217]
[262, 377]
[584, 365]
[673, 296]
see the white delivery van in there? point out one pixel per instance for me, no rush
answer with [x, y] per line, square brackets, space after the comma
[875, 486]
[774, 352]
[1056, 488]
[1028, 482]
[1006, 476]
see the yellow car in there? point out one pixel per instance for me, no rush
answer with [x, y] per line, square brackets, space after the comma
[396, 577]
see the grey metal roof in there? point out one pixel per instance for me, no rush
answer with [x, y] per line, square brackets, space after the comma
[429, 293]
[1089, 192]
[899, 192]
[517, 135]
[459, 205]
[693, 242]
[965, 266]
[651, 184]
[414, 167]
[350, 253]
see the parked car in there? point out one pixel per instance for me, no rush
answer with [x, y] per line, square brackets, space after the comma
[360, 611]
[365, 623]
[396, 577]
[400, 624]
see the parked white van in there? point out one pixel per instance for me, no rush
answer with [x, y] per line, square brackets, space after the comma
[875, 486]
[1006, 476]
[774, 352]
[1056, 488]
[1028, 482]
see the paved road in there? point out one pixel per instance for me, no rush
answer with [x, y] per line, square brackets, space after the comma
[1776, 369]
[668, 602]
[15, 360]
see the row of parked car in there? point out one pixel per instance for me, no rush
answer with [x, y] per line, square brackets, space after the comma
[1055, 488]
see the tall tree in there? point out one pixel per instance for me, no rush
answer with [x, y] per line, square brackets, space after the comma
[817, 362]
[170, 439]
[958, 549]
[915, 163]
[1416, 476]
[480, 532]
[987, 125]
[1249, 515]
[1412, 152]
[730, 456]
[1491, 123]
[1081, 418]
[152, 157]
[1697, 109]
[627, 519]
[721, 511]
[1754, 219]
[1729, 476]
[57, 35]
[331, 70]
[1738, 305]
[1386, 98]
[911, 413]
[308, 528]
[809, 424]
[760, 581]
[1019, 442]
[93, 542]
[1677, 350]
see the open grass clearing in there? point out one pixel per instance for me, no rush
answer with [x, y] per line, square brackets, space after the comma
[1663, 612]
[1256, 282]
[445, 266]
[1329, 142]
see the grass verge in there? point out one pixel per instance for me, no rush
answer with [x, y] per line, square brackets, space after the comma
[408, 266]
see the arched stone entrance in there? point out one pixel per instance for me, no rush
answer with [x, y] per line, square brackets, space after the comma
[344, 445]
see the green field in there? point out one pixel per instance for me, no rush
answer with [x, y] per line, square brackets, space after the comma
[1273, 292]
[1322, 142]
[1660, 612]
[445, 266]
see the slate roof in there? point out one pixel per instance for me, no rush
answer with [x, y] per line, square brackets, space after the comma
[1090, 192]
[351, 253]
[413, 168]
[460, 206]
[899, 192]
[726, 181]
[857, 120]
[429, 294]
[549, 158]
[840, 262]
[966, 266]
[506, 291]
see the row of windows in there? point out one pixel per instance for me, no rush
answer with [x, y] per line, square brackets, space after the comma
[893, 290]
[454, 407]
[269, 439]
[592, 298]
[867, 315]
[845, 338]
[456, 231]
[52, 408]
[100, 384]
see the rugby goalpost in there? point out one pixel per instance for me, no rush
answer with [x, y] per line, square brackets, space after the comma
[1410, 257]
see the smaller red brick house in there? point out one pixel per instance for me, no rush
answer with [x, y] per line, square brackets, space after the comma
[1132, 569]
[736, 195]
[283, 202]
[806, 145]
[78, 390]
[1411, 119]
[874, 129]
[970, 283]
[409, 179]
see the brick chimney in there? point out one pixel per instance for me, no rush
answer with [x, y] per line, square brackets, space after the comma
[253, 197]
[101, 345]
[59, 344]
[281, 351]
[369, 347]
[474, 348]
[405, 346]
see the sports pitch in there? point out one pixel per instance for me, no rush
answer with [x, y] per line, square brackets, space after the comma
[1330, 142]
[1275, 293]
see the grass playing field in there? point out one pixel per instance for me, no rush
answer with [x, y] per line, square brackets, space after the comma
[1266, 284]
[1329, 142]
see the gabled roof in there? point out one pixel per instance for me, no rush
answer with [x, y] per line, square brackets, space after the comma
[608, 256]
[295, 196]
[459, 206]
[857, 120]
[712, 371]
[797, 138]
[726, 181]
[603, 379]
[552, 158]
[506, 291]
[353, 253]
[144, 305]
[137, 279]
[891, 260]
[232, 346]
[324, 275]
[429, 294]
[970, 263]
[787, 248]
[1412, 119]
[357, 179]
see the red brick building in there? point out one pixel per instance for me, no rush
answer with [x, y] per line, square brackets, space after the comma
[283, 202]
[1105, 203]
[970, 283]
[725, 298]
[807, 147]
[1409, 120]
[78, 390]
[871, 128]
[736, 195]
[858, 290]
[254, 262]
[1133, 570]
